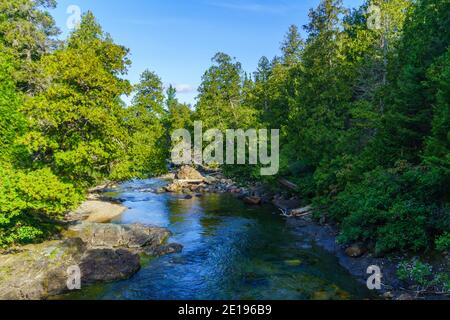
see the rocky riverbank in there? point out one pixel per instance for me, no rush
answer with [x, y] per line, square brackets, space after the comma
[355, 258]
[102, 252]
[107, 252]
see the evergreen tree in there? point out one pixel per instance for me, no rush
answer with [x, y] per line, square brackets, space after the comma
[149, 147]
[149, 94]
[27, 32]
[318, 108]
[179, 114]
[292, 46]
[171, 97]
[220, 96]
[77, 123]
[28, 199]
[437, 153]
[410, 113]
[12, 122]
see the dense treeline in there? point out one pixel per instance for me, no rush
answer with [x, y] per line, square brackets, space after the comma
[63, 125]
[362, 104]
[363, 108]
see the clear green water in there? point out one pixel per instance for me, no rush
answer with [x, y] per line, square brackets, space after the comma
[231, 251]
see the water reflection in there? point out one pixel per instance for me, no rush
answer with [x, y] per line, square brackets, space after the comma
[231, 251]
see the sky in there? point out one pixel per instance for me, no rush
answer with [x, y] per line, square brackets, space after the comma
[177, 38]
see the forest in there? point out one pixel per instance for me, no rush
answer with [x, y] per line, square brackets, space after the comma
[363, 108]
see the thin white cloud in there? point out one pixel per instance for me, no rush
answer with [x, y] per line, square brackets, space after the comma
[184, 88]
[252, 7]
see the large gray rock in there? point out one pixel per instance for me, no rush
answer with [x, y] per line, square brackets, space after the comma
[188, 173]
[164, 250]
[176, 187]
[105, 265]
[39, 270]
[135, 237]
[356, 250]
[210, 180]
[103, 252]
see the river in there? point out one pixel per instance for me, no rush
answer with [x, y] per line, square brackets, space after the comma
[231, 251]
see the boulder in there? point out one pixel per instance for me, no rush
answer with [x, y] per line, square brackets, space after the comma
[175, 187]
[105, 265]
[164, 250]
[103, 252]
[355, 250]
[210, 180]
[135, 237]
[39, 271]
[253, 200]
[188, 173]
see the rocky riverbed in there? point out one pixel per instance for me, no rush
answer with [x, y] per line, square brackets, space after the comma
[107, 252]
[356, 258]
[103, 252]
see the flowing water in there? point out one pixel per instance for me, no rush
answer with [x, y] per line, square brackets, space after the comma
[231, 251]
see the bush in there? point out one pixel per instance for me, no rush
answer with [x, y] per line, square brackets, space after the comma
[28, 201]
[394, 209]
[422, 276]
[443, 242]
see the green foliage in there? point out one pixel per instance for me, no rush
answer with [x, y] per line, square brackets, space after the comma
[148, 148]
[292, 46]
[423, 276]
[26, 29]
[317, 107]
[438, 143]
[364, 115]
[411, 98]
[27, 200]
[393, 209]
[12, 122]
[27, 32]
[149, 93]
[64, 128]
[179, 115]
[406, 209]
[363, 108]
[443, 242]
[77, 123]
[220, 101]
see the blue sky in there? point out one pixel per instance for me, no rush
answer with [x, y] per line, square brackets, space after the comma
[178, 38]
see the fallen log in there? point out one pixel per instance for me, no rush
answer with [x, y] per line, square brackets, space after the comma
[190, 181]
[302, 211]
[288, 184]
